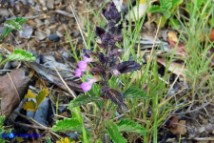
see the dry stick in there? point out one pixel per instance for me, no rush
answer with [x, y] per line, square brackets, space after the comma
[63, 13]
[70, 91]
[77, 21]
[153, 45]
[30, 126]
[14, 86]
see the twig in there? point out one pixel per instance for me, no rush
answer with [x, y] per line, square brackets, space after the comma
[64, 13]
[153, 45]
[77, 21]
[70, 91]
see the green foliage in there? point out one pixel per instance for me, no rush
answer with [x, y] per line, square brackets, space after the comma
[12, 24]
[135, 92]
[127, 125]
[114, 133]
[67, 124]
[82, 100]
[19, 55]
[86, 138]
[166, 7]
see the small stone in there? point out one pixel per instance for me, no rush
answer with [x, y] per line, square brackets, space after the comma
[54, 37]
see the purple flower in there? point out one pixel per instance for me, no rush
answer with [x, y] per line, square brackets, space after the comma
[86, 86]
[78, 72]
[82, 65]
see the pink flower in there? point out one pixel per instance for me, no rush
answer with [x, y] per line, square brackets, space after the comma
[78, 72]
[86, 86]
[82, 65]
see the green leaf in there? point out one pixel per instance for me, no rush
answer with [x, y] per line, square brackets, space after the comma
[15, 23]
[127, 125]
[166, 4]
[135, 92]
[12, 24]
[114, 133]
[155, 9]
[21, 55]
[81, 100]
[41, 96]
[167, 14]
[67, 124]
[176, 3]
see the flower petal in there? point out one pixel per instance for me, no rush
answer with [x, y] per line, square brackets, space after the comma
[82, 65]
[78, 72]
[86, 86]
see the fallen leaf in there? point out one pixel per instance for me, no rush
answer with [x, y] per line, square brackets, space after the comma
[33, 106]
[174, 67]
[173, 42]
[30, 106]
[180, 128]
[12, 88]
[30, 94]
[172, 36]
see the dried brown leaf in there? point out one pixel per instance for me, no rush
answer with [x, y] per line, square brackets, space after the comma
[12, 88]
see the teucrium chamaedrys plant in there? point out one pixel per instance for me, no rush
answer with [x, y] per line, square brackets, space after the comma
[105, 63]
[97, 70]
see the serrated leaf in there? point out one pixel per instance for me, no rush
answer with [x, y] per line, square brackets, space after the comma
[67, 124]
[166, 4]
[135, 92]
[15, 23]
[30, 106]
[30, 94]
[128, 125]
[114, 133]
[81, 100]
[41, 96]
[12, 24]
[21, 55]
